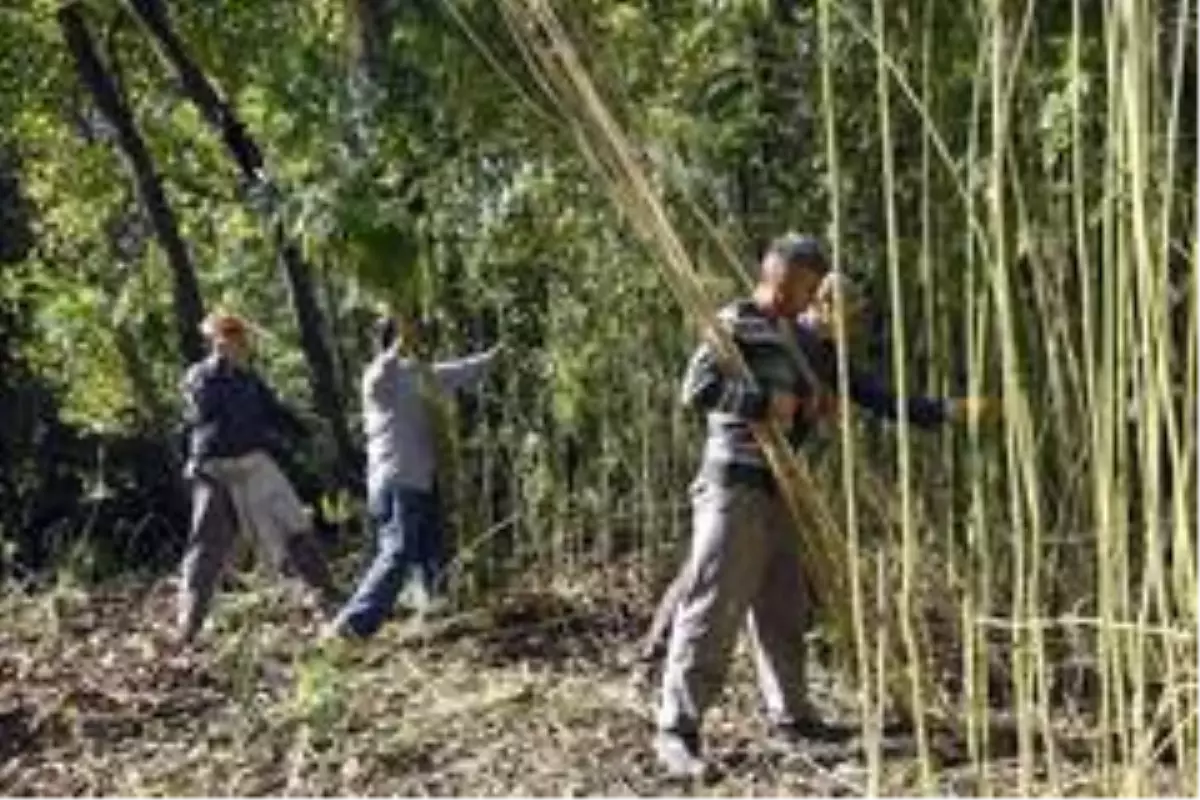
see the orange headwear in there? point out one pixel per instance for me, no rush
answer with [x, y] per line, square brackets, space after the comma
[223, 325]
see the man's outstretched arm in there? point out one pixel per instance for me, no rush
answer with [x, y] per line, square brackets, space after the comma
[871, 393]
[461, 374]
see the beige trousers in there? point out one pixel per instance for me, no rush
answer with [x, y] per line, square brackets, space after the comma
[251, 494]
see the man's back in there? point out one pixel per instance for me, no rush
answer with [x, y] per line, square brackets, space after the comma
[401, 446]
[396, 420]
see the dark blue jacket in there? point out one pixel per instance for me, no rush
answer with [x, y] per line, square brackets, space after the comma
[866, 390]
[230, 411]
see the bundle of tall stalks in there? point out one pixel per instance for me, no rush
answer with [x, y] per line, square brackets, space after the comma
[1100, 406]
[554, 61]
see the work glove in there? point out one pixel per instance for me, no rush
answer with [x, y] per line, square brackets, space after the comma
[820, 406]
[985, 410]
[783, 406]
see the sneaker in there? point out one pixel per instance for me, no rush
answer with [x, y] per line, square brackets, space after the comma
[432, 608]
[679, 755]
[331, 632]
[338, 630]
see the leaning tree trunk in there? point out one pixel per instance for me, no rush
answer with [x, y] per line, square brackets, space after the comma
[370, 23]
[189, 308]
[368, 27]
[246, 153]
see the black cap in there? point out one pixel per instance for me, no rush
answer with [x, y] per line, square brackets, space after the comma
[385, 333]
[795, 249]
[387, 329]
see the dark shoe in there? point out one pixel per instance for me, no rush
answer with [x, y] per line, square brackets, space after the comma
[305, 557]
[642, 675]
[808, 730]
[331, 602]
[182, 639]
[679, 755]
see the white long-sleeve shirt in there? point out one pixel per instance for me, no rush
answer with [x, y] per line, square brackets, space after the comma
[401, 446]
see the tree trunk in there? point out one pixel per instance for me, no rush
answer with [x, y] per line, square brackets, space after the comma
[189, 308]
[16, 229]
[248, 156]
[369, 29]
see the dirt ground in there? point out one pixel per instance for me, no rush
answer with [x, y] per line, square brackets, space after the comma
[529, 696]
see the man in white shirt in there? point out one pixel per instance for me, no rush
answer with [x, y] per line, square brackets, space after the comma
[398, 418]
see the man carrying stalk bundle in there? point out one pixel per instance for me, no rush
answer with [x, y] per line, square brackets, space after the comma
[744, 559]
[231, 415]
[398, 416]
[815, 334]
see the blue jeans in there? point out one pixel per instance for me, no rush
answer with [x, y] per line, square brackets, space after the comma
[410, 535]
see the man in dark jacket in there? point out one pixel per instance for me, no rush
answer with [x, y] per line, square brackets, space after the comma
[744, 560]
[232, 417]
[815, 335]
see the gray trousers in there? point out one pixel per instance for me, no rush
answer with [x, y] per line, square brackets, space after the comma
[215, 525]
[657, 639]
[744, 567]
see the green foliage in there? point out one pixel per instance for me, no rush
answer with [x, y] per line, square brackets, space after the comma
[450, 184]
[455, 189]
[319, 699]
